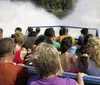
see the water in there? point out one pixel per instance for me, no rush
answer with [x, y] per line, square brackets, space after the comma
[85, 14]
[23, 15]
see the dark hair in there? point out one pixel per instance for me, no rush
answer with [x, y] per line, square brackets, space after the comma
[30, 29]
[12, 36]
[49, 32]
[1, 31]
[6, 47]
[41, 39]
[18, 29]
[37, 30]
[66, 44]
[87, 38]
[63, 31]
[84, 31]
[32, 34]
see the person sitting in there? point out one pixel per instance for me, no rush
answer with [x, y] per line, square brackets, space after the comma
[30, 41]
[20, 52]
[48, 68]
[10, 73]
[63, 34]
[18, 29]
[93, 60]
[68, 60]
[1, 33]
[84, 32]
[49, 32]
[38, 41]
[31, 32]
[83, 48]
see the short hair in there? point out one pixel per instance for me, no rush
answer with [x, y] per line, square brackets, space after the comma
[66, 44]
[84, 31]
[1, 31]
[30, 29]
[63, 30]
[37, 29]
[49, 32]
[6, 47]
[94, 49]
[19, 38]
[46, 60]
[18, 29]
[32, 34]
[41, 39]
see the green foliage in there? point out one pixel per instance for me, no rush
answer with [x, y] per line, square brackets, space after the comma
[55, 4]
[57, 7]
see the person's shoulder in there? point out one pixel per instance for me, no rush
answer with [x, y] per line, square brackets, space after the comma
[66, 81]
[32, 80]
[56, 43]
[70, 81]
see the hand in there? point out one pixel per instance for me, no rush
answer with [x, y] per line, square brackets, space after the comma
[82, 74]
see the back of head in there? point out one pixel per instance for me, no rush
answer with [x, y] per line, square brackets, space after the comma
[32, 34]
[37, 30]
[66, 44]
[30, 29]
[18, 29]
[49, 32]
[86, 38]
[63, 31]
[6, 47]
[84, 31]
[46, 60]
[41, 39]
[94, 49]
[19, 38]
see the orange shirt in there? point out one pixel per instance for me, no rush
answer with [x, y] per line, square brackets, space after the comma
[64, 36]
[11, 74]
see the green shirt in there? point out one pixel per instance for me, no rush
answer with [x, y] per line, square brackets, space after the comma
[56, 44]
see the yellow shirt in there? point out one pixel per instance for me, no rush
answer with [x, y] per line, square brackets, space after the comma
[64, 36]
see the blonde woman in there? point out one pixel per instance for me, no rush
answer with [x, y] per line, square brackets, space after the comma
[94, 56]
[48, 67]
[20, 52]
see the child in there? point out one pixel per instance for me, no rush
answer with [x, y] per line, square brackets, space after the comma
[48, 67]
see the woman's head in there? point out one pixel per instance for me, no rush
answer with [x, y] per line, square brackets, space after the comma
[19, 38]
[49, 32]
[66, 44]
[94, 49]
[46, 60]
[63, 31]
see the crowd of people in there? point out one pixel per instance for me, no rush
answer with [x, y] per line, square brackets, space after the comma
[49, 55]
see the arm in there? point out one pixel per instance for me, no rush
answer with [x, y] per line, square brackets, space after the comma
[23, 53]
[80, 78]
